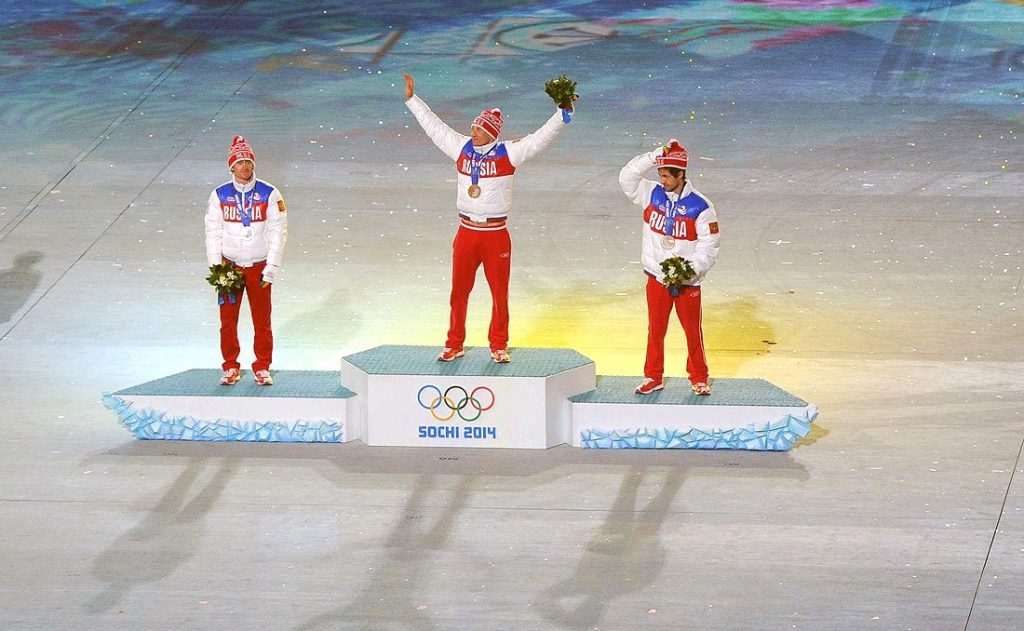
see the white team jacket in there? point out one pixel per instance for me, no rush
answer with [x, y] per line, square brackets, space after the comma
[695, 233]
[224, 229]
[498, 166]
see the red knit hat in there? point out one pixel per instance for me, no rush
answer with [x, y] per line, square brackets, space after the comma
[674, 156]
[489, 121]
[240, 150]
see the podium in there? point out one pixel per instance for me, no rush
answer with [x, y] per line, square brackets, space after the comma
[401, 396]
[406, 398]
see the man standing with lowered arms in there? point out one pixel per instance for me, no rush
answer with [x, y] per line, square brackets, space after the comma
[485, 169]
[247, 226]
[678, 222]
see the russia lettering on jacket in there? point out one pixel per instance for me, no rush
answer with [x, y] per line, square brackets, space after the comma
[259, 212]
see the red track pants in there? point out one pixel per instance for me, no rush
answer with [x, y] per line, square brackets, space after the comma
[659, 308]
[259, 308]
[492, 248]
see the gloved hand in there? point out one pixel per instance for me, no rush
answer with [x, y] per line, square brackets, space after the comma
[673, 145]
[269, 274]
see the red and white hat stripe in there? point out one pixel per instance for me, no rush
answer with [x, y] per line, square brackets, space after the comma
[490, 121]
[240, 150]
[675, 156]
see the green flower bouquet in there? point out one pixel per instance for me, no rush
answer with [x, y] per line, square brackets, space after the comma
[677, 271]
[227, 280]
[563, 91]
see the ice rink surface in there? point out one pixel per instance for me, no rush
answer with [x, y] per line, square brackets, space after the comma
[865, 160]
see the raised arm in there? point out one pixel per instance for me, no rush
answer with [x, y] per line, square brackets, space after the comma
[525, 148]
[631, 177]
[447, 139]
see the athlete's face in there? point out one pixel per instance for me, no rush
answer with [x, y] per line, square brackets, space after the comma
[479, 136]
[672, 181]
[242, 171]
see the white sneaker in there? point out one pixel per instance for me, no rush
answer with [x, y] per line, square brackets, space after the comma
[230, 377]
[263, 377]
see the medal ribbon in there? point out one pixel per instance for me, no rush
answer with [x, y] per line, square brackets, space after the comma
[244, 213]
[476, 160]
[670, 215]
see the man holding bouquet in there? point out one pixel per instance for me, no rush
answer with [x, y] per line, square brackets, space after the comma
[485, 167]
[680, 245]
[246, 229]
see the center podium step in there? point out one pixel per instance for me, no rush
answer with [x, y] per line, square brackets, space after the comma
[406, 398]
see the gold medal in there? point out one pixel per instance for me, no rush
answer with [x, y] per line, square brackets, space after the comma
[668, 242]
[474, 191]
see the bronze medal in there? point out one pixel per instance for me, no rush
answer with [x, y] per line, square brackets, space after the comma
[474, 191]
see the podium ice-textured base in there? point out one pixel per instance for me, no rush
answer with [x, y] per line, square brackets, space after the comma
[302, 406]
[750, 414]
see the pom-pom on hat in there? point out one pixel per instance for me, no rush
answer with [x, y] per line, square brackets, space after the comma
[674, 156]
[489, 121]
[240, 150]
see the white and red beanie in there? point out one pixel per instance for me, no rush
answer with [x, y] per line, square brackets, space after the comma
[240, 150]
[489, 121]
[673, 156]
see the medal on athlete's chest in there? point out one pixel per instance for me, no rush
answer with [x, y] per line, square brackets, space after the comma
[668, 242]
[245, 216]
[476, 162]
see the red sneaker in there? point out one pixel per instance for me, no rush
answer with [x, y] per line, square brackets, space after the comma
[230, 377]
[702, 389]
[448, 354]
[501, 356]
[649, 385]
[263, 377]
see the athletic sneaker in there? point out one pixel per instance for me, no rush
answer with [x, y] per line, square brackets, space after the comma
[263, 377]
[449, 354]
[701, 389]
[230, 377]
[501, 356]
[649, 385]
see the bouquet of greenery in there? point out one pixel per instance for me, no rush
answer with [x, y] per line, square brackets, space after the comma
[227, 280]
[563, 91]
[677, 271]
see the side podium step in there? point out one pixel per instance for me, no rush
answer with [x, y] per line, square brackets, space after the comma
[305, 406]
[750, 414]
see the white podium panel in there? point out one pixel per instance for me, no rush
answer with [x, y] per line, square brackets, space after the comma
[406, 398]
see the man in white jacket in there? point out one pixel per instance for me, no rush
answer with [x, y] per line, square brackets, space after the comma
[678, 222]
[485, 168]
[247, 226]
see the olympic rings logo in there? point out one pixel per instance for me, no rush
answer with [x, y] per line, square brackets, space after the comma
[455, 400]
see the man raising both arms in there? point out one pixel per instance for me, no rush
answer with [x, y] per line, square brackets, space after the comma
[485, 168]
